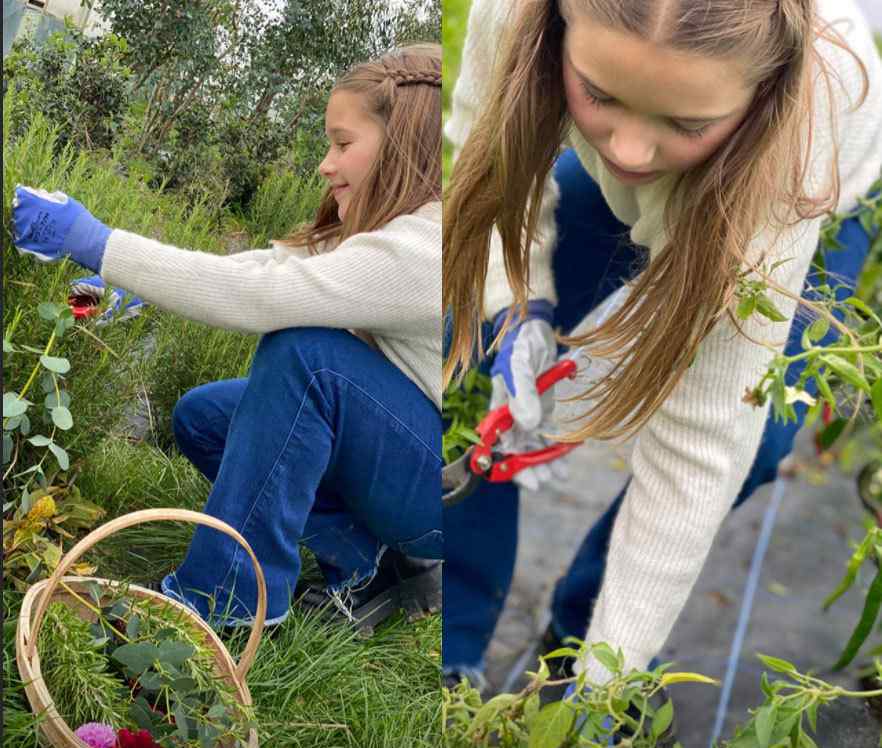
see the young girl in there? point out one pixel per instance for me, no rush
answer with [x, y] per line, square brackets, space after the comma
[716, 135]
[333, 440]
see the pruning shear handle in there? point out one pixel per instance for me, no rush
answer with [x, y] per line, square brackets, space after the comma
[500, 420]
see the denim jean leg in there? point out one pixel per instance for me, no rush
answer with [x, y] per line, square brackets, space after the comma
[201, 419]
[311, 395]
[590, 261]
[576, 592]
[346, 552]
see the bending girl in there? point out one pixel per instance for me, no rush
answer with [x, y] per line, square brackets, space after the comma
[333, 440]
[716, 136]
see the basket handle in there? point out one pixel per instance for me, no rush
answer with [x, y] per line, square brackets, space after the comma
[139, 518]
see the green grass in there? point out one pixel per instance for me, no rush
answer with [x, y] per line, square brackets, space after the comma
[314, 683]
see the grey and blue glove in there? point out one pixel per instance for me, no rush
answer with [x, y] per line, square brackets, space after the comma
[95, 287]
[527, 350]
[585, 728]
[52, 226]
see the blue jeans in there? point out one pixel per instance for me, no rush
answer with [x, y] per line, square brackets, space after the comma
[326, 443]
[480, 554]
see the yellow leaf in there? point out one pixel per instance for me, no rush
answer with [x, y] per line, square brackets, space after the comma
[44, 509]
[668, 678]
[23, 535]
[83, 569]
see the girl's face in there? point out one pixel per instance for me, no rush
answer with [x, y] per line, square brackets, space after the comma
[355, 138]
[647, 109]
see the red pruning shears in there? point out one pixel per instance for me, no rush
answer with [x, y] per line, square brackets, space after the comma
[82, 305]
[481, 462]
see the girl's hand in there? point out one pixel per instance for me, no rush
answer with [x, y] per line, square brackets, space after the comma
[52, 226]
[528, 349]
[95, 287]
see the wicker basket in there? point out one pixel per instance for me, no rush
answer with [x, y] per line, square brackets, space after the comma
[40, 595]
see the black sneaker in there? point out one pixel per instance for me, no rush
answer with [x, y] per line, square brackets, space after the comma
[414, 585]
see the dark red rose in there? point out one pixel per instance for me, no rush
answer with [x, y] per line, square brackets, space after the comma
[140, 739]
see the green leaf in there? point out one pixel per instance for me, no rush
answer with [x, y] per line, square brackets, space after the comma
[136, 657]
[175, 652]
[133, 626]
[846, 371]
[831, 433]
[746, 307]
[39, 440]
[778, 665]
[13, 405]
[765, 307]
[489, 711]
[49, 311]
[876, 398]
[663, 718]
[62, 325]
[54, 364]
[47, 382]
[141, 714]
[551, 725]
[181, 721]
[765, 723]
[605, 655]
[183, 686]
[531, 709]
[872, 605]
[62, 418]
[60, 455]
[7, 448]
[53, 400]
[824, 389]
[812, 712]
[150, 681]
[818, 329]
[8, 347]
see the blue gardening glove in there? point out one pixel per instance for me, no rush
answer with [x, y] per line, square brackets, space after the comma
[527, 350]
[581, 726]
[94, 286]
[52, 226]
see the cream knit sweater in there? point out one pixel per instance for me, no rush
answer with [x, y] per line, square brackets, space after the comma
[386, 283]
[691, 458]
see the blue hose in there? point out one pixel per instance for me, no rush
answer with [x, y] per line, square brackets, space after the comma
[756, 566]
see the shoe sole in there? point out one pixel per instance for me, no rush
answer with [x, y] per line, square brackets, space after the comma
[418, 597]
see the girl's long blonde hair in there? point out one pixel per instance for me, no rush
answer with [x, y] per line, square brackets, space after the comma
[402, 90]
[713, 211]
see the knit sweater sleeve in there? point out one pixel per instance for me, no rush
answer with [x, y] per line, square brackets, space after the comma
[487, 22]
[688, 463]
[386, 281]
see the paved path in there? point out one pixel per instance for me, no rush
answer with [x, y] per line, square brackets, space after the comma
[818, 516]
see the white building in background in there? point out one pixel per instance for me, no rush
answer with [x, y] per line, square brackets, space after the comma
[40, 18]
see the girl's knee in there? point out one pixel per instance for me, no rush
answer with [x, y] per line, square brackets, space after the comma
[188, 417]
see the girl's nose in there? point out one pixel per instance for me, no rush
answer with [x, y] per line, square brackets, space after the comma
[326, 167]
[632, 147]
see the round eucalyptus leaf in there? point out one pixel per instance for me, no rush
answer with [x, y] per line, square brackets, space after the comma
[62, 418]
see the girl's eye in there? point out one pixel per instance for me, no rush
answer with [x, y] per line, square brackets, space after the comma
[691, 133]
[594, 100]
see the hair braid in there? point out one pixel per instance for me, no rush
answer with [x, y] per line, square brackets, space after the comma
[413, 78]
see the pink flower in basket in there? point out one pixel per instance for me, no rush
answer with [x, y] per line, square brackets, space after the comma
[96, 735]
